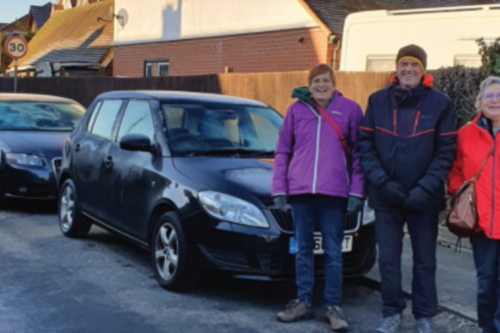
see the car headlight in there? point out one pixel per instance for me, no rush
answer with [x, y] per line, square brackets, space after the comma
[231, 209]
[368, 214]
[23, 159]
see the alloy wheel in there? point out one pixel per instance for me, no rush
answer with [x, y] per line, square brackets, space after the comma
[67, 210]
[166, 251]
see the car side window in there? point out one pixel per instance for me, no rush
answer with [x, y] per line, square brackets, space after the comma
[137, 120]
[105, 119]
[90, 124]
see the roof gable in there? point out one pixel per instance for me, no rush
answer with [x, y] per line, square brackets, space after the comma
[73, 35]
[40, 15]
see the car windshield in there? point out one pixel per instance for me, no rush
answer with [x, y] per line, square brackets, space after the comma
[221, 129]
[39, 116]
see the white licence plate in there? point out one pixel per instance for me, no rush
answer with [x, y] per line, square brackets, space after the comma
[318, 245]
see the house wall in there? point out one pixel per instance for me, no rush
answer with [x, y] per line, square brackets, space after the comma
[169, 20]
[258, 52]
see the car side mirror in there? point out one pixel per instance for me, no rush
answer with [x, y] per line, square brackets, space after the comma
[136, 142]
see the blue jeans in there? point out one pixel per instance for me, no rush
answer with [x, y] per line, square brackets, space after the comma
[329, 212]
[487, 260]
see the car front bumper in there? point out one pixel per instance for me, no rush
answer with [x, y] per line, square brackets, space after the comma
[28, 182]
[238, 249]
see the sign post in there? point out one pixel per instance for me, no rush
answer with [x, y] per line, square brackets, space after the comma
[16, 47]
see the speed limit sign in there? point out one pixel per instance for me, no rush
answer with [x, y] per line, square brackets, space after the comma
[16, 47]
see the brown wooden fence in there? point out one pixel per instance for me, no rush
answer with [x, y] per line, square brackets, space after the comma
[85, 90]
[275, 89]
[272, 88]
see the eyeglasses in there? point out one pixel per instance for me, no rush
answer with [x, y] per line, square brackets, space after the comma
[492, 96]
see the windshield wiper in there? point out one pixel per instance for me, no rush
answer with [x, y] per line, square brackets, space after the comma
[232, 152]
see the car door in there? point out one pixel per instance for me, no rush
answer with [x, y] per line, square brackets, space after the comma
[130, 176]
[88, 156]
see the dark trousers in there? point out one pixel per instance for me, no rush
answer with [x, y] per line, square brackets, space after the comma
[423, 231]
[487, 258]
[329, 212]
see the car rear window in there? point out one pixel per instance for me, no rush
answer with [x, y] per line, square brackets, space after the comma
[38, 116]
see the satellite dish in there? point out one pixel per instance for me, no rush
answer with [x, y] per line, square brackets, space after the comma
[122, 17]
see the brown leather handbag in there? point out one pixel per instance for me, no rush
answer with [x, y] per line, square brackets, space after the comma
[462, 218]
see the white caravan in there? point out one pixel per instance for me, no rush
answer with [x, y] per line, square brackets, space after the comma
[372, 39]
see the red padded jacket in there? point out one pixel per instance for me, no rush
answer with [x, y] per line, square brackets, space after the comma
[475, 140]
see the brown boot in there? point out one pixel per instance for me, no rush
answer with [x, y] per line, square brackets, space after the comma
[335, 317]
[295, 311]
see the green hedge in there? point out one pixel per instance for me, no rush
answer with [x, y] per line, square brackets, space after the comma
[461, 84]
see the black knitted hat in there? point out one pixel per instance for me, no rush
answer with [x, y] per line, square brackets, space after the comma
[413, 52]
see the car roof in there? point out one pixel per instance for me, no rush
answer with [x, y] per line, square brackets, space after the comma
[180, 96]
[33, 98]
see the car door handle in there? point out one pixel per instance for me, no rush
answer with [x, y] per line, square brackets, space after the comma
[77, 147]
[109, 162]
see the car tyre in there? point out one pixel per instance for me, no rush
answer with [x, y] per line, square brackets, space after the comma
[71, 221]
[170, 255]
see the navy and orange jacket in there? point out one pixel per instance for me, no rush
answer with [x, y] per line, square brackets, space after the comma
[475, 140]
[412, 142]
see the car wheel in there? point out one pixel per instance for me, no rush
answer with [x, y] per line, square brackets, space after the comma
[71, 221]
[169, 255]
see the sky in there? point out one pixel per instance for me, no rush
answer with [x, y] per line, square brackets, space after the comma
[12, 9]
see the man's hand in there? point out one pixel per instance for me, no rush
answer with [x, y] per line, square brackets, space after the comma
[417, 199]
[393, 193]
[354, 205]
[280, 202]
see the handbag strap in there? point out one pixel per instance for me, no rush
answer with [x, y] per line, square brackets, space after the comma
[336, 128]
[476, 177]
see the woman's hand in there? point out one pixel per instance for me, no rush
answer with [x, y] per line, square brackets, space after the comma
[354, 205]
[280, 202]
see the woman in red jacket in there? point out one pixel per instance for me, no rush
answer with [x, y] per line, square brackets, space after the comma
[475, 141]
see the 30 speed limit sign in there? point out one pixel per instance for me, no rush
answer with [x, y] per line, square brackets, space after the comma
[16, 47]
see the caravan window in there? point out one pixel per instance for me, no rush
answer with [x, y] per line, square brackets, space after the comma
[381, 63]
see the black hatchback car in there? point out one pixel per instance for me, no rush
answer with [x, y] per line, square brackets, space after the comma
[33, 129]
[188, 176]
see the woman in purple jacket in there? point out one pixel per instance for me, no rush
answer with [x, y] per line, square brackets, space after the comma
[312, 172]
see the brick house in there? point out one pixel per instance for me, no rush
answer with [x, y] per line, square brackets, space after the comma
[181, 37]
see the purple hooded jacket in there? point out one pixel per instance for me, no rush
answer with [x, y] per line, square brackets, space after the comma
[309, 158]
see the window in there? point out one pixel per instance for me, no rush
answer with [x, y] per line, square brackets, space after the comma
[381, 63]
[468, 60]
[149, 70]
[137, 120]
[39, 116]
[154, 68]
[197, 128]
[92, 117]
[105, 119]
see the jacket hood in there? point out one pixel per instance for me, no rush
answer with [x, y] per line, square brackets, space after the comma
[304, 94]
[427, 80]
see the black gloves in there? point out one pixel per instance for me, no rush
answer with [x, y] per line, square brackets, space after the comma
[417, 200]
[393, 193]
[280, 202]
[354, 205]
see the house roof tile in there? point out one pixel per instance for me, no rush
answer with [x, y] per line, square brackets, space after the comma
[334, 12]
[40, 15]
[73, 36]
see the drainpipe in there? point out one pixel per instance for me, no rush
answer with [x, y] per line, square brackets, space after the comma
[332, 40]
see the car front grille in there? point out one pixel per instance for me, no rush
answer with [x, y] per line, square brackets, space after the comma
[56, 165]
[285, 221]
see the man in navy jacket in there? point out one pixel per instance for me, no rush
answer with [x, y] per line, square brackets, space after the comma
[407, 145]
